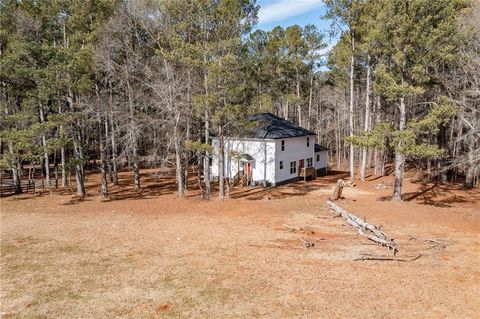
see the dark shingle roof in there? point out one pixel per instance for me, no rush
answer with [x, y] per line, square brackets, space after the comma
[319, 148]
[269, 126]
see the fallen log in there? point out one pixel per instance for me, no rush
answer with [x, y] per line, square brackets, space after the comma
[365, 229]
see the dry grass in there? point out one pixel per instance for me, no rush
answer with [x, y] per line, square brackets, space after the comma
[160, 257]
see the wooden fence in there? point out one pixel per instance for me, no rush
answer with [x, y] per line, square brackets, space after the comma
[7, 187]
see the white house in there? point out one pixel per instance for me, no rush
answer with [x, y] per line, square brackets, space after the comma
[273, 151]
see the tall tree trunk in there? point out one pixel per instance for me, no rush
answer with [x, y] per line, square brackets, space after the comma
[206, 160]
[62, 149]
[441, 140]
[55, 169]
[285, 110]
[221, 163]
[187, 160]
[15, 165]
[378, 155]
[79, 161]
[110, 120]
[114, 151]
[299, 104]
[136, 167]
[178, 157]
[80, 148]
[102, 146]
[350, 119]
[472, 169]
[338, 138]
[399, 157]
[45, 151]
[64, 166]
[367, 122]
[62, 153]
[189, 125]
[77, 150]
[310, 97]
[16, 178]
[108, 151]
[78, 167]
[133, 133]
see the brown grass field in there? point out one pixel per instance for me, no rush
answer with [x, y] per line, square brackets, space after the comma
[151, 255]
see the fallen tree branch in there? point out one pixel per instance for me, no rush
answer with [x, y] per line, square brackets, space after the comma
[370, 231]
[291, 228]
[330, 217]
[305, 230]
[433, 243]
[384, 258]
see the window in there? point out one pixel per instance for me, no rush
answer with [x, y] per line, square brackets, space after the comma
[293, 167]
[281, 164]
[308, 141]
[318, 157]
[309, 162]
[283, 145]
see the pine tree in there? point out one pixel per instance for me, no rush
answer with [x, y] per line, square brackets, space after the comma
[417, 34]
[347, 13]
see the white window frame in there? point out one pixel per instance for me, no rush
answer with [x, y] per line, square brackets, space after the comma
[310, 162]
[293, 168]
[280, 164]
[282, 143]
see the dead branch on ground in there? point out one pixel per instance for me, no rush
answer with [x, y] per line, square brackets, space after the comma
[291, 228]
[330, 217]
[299, 229]
[386, 258]
[434, 243]
[370, 231]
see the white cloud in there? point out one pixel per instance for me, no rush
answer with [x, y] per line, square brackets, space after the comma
[284, 9]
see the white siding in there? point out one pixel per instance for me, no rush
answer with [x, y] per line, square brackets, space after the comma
[323, 160]
[295, 149]
[267, 155]
[263, 151]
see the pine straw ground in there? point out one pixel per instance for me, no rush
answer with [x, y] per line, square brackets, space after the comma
[151, 255]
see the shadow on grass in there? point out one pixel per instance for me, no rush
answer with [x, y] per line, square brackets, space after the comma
[154, 185]
[298, 188]
[438, 195]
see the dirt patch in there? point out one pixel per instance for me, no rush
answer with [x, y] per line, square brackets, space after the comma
[164, 308]
[150, 254]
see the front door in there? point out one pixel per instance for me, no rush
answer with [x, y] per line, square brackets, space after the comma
[301, 164]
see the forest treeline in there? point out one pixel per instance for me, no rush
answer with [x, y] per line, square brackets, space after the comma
[134, 84]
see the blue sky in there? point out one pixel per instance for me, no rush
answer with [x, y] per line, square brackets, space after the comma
[289, 12]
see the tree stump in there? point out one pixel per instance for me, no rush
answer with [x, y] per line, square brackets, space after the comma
[337, 191]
